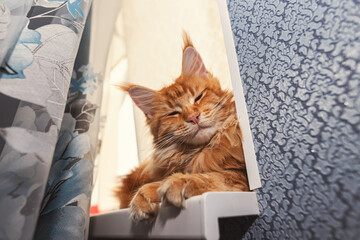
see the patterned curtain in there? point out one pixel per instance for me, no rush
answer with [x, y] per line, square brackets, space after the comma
[48, 119]
[300, 65]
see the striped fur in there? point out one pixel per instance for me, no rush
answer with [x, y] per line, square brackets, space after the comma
[197, 141]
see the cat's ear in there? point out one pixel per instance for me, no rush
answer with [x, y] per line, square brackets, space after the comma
[192, 63]
[191, 60]
[143, 97]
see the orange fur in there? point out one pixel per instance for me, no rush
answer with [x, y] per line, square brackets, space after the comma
[187, 41]
[197, 141]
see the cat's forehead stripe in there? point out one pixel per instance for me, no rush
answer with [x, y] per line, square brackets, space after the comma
[191, 90]
[177, 91]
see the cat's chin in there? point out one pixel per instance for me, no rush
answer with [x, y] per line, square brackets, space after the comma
[203, 135]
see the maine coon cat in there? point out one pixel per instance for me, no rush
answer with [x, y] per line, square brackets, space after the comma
[197, 141]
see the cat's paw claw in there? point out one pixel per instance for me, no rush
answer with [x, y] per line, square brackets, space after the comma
[172, 192]
[142, 210]
[140, 216]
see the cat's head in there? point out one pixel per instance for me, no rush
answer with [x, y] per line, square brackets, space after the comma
[190, 110]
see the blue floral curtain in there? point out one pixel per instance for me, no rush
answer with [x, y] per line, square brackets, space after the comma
[48, 119]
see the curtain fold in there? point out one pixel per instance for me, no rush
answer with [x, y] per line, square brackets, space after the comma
[12, 21]
[45, 125]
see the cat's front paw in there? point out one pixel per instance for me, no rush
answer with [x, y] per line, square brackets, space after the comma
[145, 204]
[174, 190]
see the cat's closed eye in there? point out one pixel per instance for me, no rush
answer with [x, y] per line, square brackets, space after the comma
[198, 97]
[173, 113]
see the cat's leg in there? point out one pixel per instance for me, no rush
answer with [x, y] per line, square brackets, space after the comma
[131, 183]
[145, 204]
[179, 187]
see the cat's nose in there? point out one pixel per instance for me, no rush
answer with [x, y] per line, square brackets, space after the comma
[194, 118]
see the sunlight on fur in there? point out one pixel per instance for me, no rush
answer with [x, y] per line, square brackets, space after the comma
[197, 141]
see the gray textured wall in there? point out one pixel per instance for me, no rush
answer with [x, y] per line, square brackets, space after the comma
[300, 64]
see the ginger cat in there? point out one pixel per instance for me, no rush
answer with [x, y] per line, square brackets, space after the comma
[197, 141]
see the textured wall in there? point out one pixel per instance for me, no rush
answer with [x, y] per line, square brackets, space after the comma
[300, 64]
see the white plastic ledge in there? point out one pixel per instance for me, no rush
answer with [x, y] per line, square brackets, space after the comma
[199, 220]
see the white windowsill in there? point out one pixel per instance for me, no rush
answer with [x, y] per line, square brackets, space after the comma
[199, 220]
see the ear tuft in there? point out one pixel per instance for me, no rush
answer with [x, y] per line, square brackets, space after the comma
[187, 40]
[124, 86]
